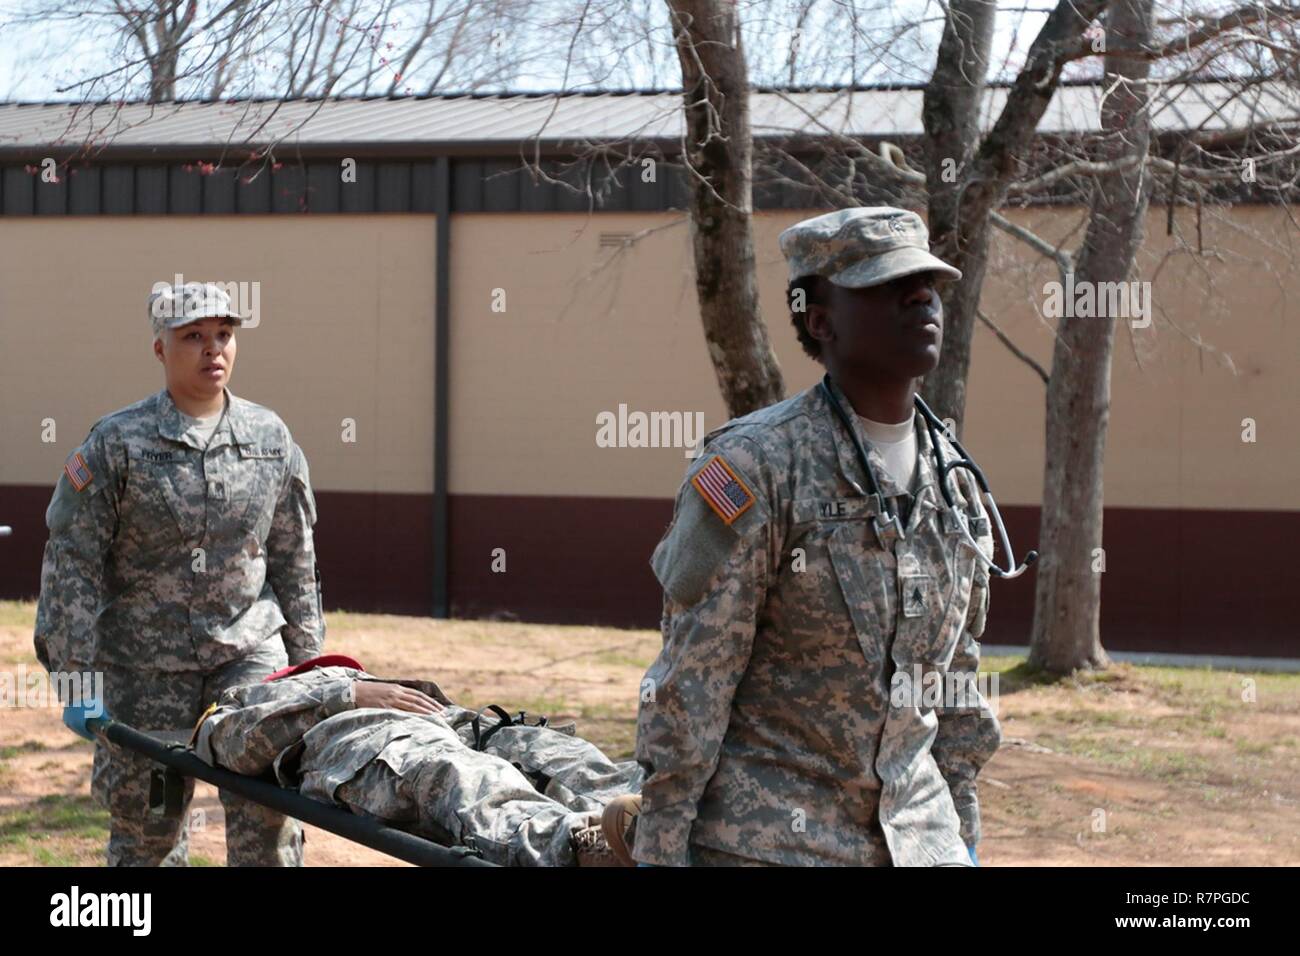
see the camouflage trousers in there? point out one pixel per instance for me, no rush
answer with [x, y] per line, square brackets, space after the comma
[707, 856]
[517, 801]
[127, 783]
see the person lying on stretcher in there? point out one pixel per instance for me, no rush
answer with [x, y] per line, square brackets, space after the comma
[400, 751]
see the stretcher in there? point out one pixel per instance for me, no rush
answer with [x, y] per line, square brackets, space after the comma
[176, 755]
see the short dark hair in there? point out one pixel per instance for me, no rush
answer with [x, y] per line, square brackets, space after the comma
[812, 293]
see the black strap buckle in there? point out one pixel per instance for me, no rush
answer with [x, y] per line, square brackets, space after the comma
[481, 737]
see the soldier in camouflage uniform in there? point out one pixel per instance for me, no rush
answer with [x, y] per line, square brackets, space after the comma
[771, 725]
[522, 794]
[180, 563]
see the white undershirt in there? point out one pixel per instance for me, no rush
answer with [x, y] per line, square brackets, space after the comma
[897, 445]
[200, 429]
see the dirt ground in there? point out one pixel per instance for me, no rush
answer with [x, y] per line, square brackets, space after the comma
[1138, 766]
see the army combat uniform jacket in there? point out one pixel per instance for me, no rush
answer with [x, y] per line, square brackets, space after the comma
[516, 793]
[771, 725]
[168, 557]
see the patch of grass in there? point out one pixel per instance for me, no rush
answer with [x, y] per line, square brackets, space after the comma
[1274, 693]
[1022, 809]
[20, 614]
[1196, 725]
[1171, 764]
[1153, 762]
[991, 663]
[1253, 748]
[610, 711]
[552, 707]
[1021, 676]
[47, 856]
[612, 729]
[1098, 718]
[54, 815]
[1076, 743]
[8, 753]
[354, 621]
[623, 659]
[26, 747]
[198, 859]
[616, 739]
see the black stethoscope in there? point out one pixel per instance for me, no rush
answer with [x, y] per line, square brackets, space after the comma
[959, 519]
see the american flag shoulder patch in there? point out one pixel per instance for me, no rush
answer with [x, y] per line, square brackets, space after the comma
[78, 474]
[722, 488]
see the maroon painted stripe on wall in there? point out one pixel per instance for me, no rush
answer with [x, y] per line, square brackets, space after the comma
[1188, 581]
[568, 560]
[22, 507]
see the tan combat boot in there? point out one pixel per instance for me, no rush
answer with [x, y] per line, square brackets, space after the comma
[590, 846]
[619, 825]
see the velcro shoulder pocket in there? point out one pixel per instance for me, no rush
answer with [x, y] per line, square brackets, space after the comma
[83, 476]
[705, 532]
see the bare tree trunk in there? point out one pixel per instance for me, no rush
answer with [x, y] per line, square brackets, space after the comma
[959, 221]
[719, 154]
[1066, 633]
[170, 33]
[950, 113]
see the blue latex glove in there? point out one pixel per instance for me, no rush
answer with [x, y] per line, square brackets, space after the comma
[75, 716]
[971, 851]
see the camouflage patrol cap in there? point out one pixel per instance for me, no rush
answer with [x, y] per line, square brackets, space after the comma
[171, 306]
[862, 247]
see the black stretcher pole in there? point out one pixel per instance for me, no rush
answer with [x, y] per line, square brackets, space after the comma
[398, 843]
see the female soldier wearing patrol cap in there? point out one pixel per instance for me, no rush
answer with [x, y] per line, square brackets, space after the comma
[811, 573]
[180, 562]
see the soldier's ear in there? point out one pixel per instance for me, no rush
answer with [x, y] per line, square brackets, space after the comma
[818, 315]
[818, 322]
[158, 348]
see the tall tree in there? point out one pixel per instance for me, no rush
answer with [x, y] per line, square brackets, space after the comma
[969, 176]
[719, 157]
[1067, 609]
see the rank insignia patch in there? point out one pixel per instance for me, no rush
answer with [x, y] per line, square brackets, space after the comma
[77, 472]
[722, 488]
[914, 589]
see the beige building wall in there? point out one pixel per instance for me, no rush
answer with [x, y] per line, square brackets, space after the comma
[347, 333]
[586, 328]
[1223, 346]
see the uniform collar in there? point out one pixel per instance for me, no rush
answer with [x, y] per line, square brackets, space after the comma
[927, 475]
[171, 425]
[851, 467]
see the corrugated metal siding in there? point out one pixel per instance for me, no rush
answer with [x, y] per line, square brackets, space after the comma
[442, 122]
[478, 185]
[394, 144]
[486, 185]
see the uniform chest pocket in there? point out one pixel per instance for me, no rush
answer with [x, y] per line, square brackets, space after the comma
[936, 596]
[966, 573]
[163, 497]
[865, 577]
[254, 476]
